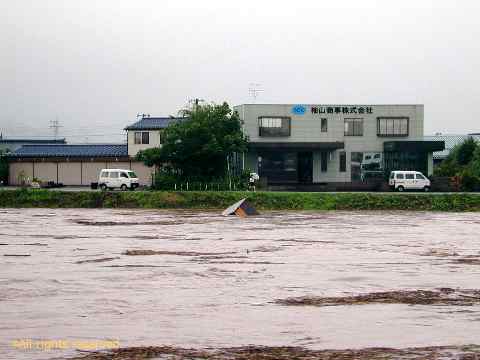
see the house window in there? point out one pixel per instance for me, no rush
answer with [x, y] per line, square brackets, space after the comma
[392, 126]
[142, 137]
[343, 162]
[354, 127]
[324, 125]
[273, 126]
[323, 161]
[145, 137]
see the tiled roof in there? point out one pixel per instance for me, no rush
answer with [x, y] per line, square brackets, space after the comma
[153, 123]
[32, 141]
[450, 142]
[73, 150]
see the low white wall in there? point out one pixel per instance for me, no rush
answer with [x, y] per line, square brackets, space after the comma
[74, 172]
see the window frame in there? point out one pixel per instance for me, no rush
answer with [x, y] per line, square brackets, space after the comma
[354, 132]
[145, 135]
[323, 125]
[284, 130]
[383, 129]
[139, 137]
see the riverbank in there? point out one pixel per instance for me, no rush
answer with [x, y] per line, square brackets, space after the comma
[27, 198]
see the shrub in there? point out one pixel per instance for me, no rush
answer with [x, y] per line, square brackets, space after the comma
[468, 181]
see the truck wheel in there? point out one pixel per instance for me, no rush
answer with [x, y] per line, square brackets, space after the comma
[123, 187]
[400, 188]
[103, 187]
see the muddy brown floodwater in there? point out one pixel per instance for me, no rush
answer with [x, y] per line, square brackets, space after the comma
[195, 279]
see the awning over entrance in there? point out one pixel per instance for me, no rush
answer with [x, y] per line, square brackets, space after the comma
[413, 146]
[301, 146]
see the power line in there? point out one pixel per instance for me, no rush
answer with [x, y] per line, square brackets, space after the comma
[55, 125]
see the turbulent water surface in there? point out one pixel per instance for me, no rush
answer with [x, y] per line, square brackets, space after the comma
[212, 281]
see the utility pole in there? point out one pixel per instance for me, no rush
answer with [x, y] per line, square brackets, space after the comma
[55, 125]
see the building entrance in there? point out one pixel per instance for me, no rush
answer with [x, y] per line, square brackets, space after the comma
[305, 167]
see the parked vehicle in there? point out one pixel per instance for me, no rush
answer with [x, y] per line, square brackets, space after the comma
[117, 178]
[408, 180]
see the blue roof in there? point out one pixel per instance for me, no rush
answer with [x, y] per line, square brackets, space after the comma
[31, 141]
[73, 150]
[450, 142]
[153, 123]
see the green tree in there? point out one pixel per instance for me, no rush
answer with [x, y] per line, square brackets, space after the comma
[465, 151]
[198, 147]
[463, 156]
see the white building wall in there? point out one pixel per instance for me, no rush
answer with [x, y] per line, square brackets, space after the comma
[75, 173]
[133, 149]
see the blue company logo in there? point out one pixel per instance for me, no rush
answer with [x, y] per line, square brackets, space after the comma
[299, 110]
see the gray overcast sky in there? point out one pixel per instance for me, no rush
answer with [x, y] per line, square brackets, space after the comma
[97, 63]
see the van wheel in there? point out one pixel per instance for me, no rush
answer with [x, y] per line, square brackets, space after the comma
[103, 187]
[123, 187]
[426, 188]
[400, 188]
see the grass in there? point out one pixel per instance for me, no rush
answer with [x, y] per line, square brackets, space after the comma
[220, 200]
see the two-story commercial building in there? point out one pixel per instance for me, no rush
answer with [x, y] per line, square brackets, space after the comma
[315, 143]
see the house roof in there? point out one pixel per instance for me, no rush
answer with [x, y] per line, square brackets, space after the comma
[32, 141]
[72, 150]
[450, 142]
[153, 123]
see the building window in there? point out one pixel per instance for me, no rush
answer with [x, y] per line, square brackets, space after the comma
[324, 125]
[356, 166]
[273, 126]
[343, 162]
[354, 127]
[145, 137]
[323, 161]
[161, 137]
[392, 126]
[142, 137]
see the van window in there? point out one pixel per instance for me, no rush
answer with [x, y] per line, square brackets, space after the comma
[132, 174]
[400, 176]
[392, 175]
[419, 177]
[124, 175]
[114, 174]
[409, 176]
[104, 174]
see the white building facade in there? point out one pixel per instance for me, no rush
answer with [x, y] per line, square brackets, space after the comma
[321, 143]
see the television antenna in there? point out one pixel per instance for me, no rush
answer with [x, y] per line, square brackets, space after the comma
[55, 125]
[195, 102]
[254, 90]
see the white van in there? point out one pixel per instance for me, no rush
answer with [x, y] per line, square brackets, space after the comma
[117, 178]
[408, 180]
